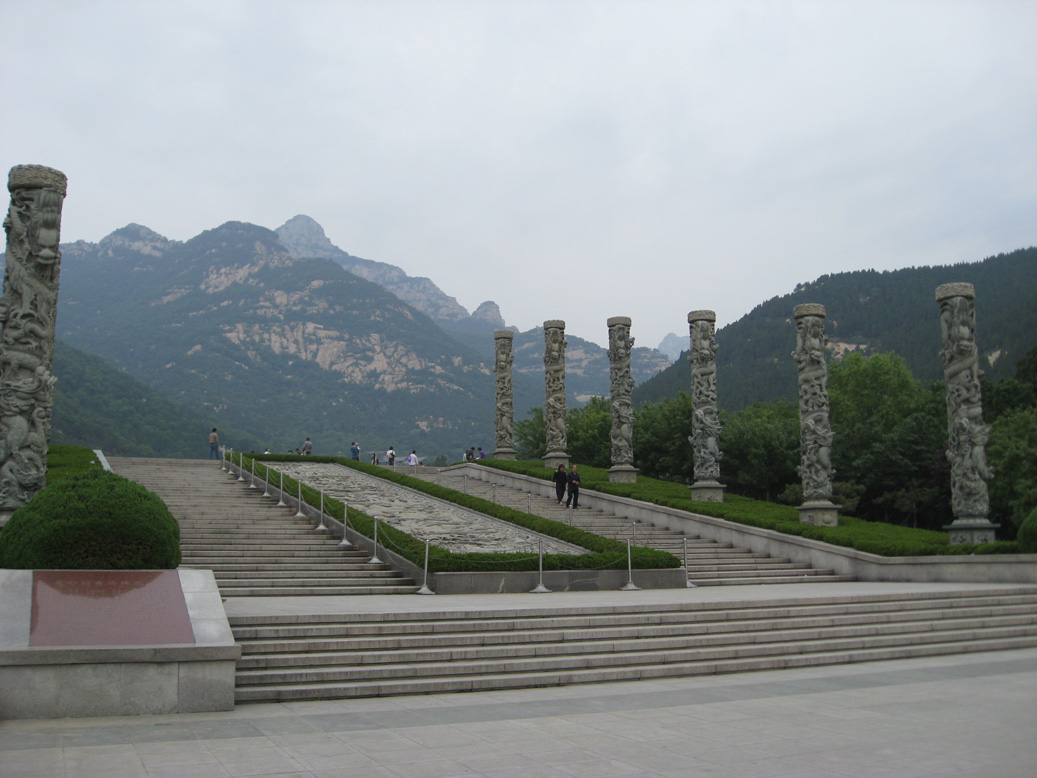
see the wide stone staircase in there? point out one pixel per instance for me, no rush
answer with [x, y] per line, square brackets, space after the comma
[300, 657]
[708, 563]
[253, 547]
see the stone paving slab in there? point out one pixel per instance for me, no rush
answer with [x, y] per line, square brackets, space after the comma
[966, 716]
[442, 523]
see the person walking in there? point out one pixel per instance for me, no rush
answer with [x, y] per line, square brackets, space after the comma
[574, 489]
[307, 447]
[390, 456]
[561, 480]
[412, 459]
[354, 452]
[214, 444]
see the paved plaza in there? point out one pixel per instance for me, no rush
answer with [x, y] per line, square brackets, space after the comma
[961, 716]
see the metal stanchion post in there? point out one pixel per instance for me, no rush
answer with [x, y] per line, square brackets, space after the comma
[424, 584]
[298, 496]
[280, 491]
[266, 481]
[320, 527]
[540, 588]
[374, 560]
[345, 523]
[690, 584]
[630, 574]
[223, 459]
[230, 462]
[493, 494]
[633, 532]
[529, 503]
[252, 485]
[241, 467]
[466, 484]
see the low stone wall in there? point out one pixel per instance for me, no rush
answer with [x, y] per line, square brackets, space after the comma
[992, 568]
[115, 680]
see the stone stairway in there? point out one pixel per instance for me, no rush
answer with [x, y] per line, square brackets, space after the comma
[254, 548]
[300, 657]
[709, 563]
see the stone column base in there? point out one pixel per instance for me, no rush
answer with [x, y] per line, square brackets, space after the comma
[623, 474]
[971, 530]
[707, 491]
[820, 513]
[503, 453]
[552, 459]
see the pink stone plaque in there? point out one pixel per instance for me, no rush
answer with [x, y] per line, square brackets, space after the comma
[108, 608]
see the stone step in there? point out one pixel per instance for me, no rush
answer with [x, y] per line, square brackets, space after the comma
[356, 666]
[340, 645]
[424, 685]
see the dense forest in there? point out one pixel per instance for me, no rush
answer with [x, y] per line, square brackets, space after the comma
[871, 312]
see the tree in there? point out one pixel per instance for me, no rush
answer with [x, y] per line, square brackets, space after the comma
[589, 433]
[761, 449]
[890, 434]
[1012, 454]
[661, 447]
[531, 435]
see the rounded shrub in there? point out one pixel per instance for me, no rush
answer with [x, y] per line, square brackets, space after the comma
[1027, 536]
[94, 521]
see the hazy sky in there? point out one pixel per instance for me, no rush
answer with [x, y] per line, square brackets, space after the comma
[568, 160]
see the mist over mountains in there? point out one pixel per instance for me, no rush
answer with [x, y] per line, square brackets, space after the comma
[274, 346]
[276, 335]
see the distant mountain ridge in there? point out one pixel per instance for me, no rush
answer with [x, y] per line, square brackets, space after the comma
[873, 312]
[237, 332]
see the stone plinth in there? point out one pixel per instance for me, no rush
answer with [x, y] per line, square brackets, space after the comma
[707, 491]
[820, 513]
[552, 459]
[503, 453]
[113, 643]
[622, 474]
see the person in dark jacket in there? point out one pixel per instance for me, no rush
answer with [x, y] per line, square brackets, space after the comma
[561, 481]
[574, 489]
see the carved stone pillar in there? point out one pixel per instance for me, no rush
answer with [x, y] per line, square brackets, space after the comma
[966, 433]
[622, 385]
[815, 432]
[27, 314]
[554, 382]
[705, 424]
[504, 415]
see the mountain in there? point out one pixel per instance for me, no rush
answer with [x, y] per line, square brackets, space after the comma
[283, 348]
[672, 345]
[873, 312]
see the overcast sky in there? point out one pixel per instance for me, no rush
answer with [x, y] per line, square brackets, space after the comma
[568, 160]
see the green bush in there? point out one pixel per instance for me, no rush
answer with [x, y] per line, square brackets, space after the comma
[93, 521]
[1027, 536]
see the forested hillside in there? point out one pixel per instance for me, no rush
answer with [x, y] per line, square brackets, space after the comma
[98, 407]
[872, 312]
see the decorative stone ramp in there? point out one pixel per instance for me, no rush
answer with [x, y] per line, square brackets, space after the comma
[334, 648]
[709, 562]
[253, 547]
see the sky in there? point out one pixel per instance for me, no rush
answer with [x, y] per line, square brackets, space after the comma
[566, 159]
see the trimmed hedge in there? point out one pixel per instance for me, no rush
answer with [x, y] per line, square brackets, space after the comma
[604, 553]
[868, 536]
[93, 521]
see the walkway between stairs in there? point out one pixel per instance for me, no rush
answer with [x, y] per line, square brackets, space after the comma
[969, 716]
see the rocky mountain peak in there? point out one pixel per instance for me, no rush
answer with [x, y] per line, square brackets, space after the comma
[302, 236]
[489, 312]
[137, 238]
